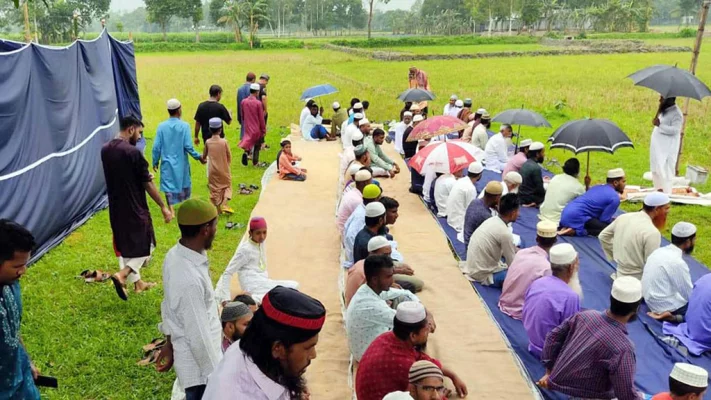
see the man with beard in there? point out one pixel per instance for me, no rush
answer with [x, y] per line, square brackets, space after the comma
[517, 160]
[462, 194]
[400, 128]
[591, 212]
[479, 135]
[385, 366]
[127, 181]
[235, 318]
[449, 107]
[666, 283]
[589, 355]
[370, 311]
[664, 146]
[528, 265]
[552, 299]
[532, 191]
[496, 151]
[269, 362]
[632, 237]
[189, 310]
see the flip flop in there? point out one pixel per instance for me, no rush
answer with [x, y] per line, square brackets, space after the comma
[244, 159]
[156, 343]
[150, 358]
[242, 186]
[120, 289]
[255, 187]
[94, 276]
[233, 225]
[245, 191]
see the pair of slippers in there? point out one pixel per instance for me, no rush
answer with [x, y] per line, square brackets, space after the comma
[234, 225]
[94, 276]
[243, 189]
[151, 352]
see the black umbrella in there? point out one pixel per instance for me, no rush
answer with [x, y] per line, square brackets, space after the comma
[521, 116]
[416, 95]
[588, 135]
[670, 81]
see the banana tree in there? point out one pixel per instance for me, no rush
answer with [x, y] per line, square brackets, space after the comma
[256, 10]
[233, 14]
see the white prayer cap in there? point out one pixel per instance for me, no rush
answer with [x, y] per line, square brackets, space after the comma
[410, 312]
[536, 146]
[363, 122]
[407, 114]
[690, 375]
[374, 209]
[357, 136]
[215, 123]
[362, 175]
[398, 396]
[525, 143]
[453, 97]
[459, 103]
[173, 104]
[626, 289]
[358, 116]
[513, 177]
[481, 111]
[358, 106]
[417, 118]
[475, 168]
[683, 229]
[562, 254]
[656, 199]
[353, 169]
[615, 173]
[336, 105]
[377, 243]
[547, 229]
[254, 86]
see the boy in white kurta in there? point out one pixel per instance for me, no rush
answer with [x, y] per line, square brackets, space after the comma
[250, 265]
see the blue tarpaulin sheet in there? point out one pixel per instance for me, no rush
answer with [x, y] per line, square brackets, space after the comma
[654, 357]
[59, 106]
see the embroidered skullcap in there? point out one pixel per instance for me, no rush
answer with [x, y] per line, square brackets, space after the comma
[215, 123]
[547, 229]
[627, 289]
[290, 314]
[513, 177]
[525, 143]
[234, 310]
[377, 243]
[691, 375]
[615, 173]
[475, 168]
[656, 199]
[363, 175]
[374, 210]
[535, 146]
[683, 229]
[410, 312]
[257, 223]
[173, 104]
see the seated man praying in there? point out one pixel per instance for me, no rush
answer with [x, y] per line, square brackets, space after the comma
[379, 159]
[463, 192]
[591, 212]
[562, 189]
[250, 265]
[482, 209]
[369, 314]
[356, 222]
[532, 191]
[695, 333]
[374, 226]
[352, 198]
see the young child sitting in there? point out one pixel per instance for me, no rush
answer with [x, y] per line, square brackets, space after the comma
[287, 168]
[220, 175]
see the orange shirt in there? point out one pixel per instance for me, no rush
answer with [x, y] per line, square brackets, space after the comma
[662, 396]
[285, 165]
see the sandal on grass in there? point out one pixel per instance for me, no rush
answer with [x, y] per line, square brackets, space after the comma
[233, 225]
[120, 288]
[156, 343]
[94, 276]
[255, 187]
[245, 191]
[150, 358]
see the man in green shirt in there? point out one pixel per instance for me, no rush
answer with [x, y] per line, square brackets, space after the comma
[339, 115]
[378, 158]
[532, 191]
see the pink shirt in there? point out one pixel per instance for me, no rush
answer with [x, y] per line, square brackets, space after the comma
[349, 202]
[514, 163]
[528, 265]
[356, 278]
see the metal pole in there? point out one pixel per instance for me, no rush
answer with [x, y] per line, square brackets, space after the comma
[587, 174]
[703, 15]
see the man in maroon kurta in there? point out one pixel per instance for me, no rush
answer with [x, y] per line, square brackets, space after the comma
[127, 181]
[254, 126]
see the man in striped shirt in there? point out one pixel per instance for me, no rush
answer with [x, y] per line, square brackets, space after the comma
[589, 356]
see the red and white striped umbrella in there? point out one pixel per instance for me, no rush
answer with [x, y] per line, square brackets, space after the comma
[447, 157]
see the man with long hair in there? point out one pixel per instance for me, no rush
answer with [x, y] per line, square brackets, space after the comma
[272, 356]
[632, 237]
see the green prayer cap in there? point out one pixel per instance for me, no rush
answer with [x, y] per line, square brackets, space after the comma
[196, 212]
[371, 192]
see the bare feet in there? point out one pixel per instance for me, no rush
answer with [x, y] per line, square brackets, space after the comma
[566, 232]
[141, 286]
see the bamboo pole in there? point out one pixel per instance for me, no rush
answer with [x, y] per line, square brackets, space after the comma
[703, 15]
[26, 13]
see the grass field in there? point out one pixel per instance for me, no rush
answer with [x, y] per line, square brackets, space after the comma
[489, 48]
[91, 340]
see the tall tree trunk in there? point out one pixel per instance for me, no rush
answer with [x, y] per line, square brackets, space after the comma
[251, 30]
[26, 14]
[370, 15]
[511, 18]
[163, 27]
[491, 21]
[197, 33]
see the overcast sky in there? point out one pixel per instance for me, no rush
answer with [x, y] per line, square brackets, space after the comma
[128, 5]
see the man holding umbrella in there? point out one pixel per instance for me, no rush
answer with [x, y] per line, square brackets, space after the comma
[664, 147]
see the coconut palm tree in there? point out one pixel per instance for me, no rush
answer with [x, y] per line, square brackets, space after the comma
[256, 11]
[233, 14]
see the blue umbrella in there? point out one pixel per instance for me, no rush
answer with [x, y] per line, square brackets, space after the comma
[316, 91]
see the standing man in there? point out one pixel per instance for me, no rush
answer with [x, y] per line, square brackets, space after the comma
[263, 81]
[632, 237]
[243, 93]
[189, 312]
[339, 117]
[269, 361]
[418, 80]
[496, 151]
[172, 146]
[255, 127]
[664, 147]
[127, 181]
[210, 109]
[400, 128]
[532, 191]
[516, 162]
[18, 371]
[589, 356]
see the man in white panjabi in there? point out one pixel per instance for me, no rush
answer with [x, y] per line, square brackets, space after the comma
[443, 187]
[250, 265]
[664, 146]
[496, 150]
[462, 193]
[451, 105]
[400, 128]
[510, 184]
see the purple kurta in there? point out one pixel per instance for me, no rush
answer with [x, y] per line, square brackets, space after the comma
[695, 333]
[528, 265]
[548, 302]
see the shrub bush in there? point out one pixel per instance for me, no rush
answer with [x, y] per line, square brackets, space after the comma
[432, 41]
[687, 33]
[141, 47]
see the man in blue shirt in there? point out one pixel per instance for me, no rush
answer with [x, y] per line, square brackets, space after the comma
[17, 373]
[592, 212]
[172, 146]
[243, 93]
